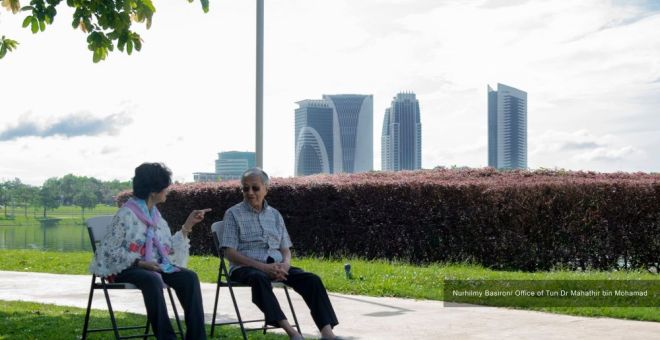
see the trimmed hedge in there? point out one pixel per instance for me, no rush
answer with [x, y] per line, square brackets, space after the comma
[528, 220]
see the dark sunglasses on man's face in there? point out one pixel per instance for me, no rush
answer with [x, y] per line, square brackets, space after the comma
[254, 188]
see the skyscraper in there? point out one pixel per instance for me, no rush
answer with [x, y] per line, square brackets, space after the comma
[352, 126]
[401, 140]
[334, 134]
[507, 128]
[313, 138]
[232, 164]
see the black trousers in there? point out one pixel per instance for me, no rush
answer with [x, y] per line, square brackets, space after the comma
[308, 285]
[186, 285]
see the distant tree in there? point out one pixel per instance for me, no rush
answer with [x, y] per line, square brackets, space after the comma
[49, 195]
[96, 186]
[85, 200]
[4, 196]
[106, 22]
[110, 189]
[25, 196]
[68, 188]
[11, 189]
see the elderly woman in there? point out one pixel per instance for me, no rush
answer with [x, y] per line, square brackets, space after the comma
[140, 249]
[257, 245]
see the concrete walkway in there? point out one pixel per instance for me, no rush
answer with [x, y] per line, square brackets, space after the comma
[360, 317]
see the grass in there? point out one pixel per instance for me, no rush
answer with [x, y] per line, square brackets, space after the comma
[373, 278]
[69, 212]
[27, 320]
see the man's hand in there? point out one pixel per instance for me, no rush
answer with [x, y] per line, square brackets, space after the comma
[285, 266]
[275, 271]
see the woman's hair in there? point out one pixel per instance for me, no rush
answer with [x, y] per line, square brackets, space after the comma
[255, 172]
[150, 177]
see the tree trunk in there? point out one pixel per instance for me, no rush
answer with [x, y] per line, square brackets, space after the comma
[45, 212]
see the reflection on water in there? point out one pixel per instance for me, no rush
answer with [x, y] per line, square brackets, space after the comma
[64, 235]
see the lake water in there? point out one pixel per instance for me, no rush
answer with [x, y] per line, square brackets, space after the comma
[62, 236]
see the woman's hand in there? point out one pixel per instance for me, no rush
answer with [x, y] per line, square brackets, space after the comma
[195, 217]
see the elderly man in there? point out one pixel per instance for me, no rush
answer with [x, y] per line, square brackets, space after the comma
[257, 245]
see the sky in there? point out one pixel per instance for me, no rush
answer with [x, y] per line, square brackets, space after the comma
[591, 69]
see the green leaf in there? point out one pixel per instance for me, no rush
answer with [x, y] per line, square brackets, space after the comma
[35, 25]
[42, 25]
[137, 43]
[3, 51]
[149, 5]
[97, 56]
[129, 47]
[26, 21]
[121, 42]
[11, 5]
[205, 5]
[27, 8]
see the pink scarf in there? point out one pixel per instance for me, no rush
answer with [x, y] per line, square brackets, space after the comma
[152, 240]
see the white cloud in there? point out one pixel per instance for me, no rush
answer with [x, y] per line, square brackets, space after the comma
[605, 154]
[590, 68]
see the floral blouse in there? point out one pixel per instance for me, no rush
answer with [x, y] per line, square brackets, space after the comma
[125, 243]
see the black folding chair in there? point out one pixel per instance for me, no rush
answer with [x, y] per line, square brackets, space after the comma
[98, 227]
[217, 229]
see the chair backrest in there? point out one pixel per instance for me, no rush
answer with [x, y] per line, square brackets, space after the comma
[98, 227]
[218, 228]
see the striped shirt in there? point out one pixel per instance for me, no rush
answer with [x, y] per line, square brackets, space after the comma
[256, 235]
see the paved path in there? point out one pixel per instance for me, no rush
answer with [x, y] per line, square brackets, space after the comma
[360, 317]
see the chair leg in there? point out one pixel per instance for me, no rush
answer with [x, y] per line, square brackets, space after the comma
[146, 330]
[176, 313]
[89, 308]
[293, 311]
[215, 304]
[238, 313]
[112, 314]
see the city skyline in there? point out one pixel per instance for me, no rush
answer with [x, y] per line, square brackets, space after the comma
[591, 66]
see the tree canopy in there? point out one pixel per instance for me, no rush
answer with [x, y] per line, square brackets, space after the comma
[106, 22]
[82, 191]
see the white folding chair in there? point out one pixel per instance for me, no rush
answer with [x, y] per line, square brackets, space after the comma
[98, 227]
[217, 229]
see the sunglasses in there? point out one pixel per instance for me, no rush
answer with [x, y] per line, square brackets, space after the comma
[254, 188]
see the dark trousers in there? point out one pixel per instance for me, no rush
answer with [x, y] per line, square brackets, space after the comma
[186, 285]
[308, 285]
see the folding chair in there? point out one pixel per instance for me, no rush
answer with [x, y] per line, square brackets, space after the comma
[217, 229]
[98, 227]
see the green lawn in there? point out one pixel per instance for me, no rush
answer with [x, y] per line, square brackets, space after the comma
[70, 212]
[27, 320]
[373, 278]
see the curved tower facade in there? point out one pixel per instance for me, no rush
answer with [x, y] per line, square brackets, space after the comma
[313, 138]
[352, 121]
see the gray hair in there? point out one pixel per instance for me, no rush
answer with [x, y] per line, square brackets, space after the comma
[255, 172]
